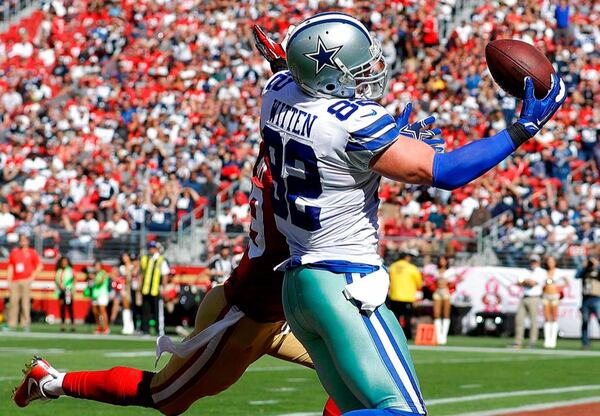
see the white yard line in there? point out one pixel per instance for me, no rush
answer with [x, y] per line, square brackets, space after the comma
[50, 335]
[518, 393]
[491, 360]
[496, 412]
[506, 350]
[262, 402]
[276, 369]
[13, 350]
[532, 407]
[151, 338]
[130, 354]
[302, 414]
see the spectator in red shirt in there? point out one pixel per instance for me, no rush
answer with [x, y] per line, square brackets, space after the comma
[23, 267]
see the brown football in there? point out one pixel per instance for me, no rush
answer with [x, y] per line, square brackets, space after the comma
[511, 60]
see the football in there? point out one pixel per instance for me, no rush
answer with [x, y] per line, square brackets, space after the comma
[509, 61]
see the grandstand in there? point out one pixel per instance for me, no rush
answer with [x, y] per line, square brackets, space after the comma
[148, 110]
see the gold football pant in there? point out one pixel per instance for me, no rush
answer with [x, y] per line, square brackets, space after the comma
[216, 366]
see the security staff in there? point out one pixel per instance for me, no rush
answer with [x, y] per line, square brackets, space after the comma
[405, 281]
[590, 290]
[153, 269]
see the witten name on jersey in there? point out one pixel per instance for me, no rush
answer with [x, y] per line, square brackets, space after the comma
[324, 194]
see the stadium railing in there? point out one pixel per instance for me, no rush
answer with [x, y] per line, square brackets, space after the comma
[429, 248]
[452, 12]
[516, 253]
[195, 245]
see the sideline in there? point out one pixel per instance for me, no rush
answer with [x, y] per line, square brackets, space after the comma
[517, 393]
[503, 411]
[52, 335]
[152, 338]
[532, 407]
[496, 350]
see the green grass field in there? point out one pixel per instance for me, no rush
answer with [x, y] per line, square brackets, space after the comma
[470, 375]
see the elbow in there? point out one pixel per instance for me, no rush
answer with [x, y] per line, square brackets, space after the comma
[446, 186]
[419, 176]
[444, 181]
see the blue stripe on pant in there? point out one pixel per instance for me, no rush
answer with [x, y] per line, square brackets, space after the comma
[388, 363]
[356, 358]
[405, 365]
[394, 372]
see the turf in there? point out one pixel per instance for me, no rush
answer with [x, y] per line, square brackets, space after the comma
[273, 387]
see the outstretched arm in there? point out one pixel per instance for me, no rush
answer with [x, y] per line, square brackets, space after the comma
[415, 162]
[272, 51]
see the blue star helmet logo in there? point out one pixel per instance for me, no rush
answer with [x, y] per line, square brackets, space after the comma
[323, 56]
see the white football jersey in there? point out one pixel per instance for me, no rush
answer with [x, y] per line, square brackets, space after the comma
[324, 196]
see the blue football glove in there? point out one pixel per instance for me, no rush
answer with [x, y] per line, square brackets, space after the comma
[418, 131]
[535, 113]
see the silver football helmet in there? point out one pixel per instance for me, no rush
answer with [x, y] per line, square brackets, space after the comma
[333, 55]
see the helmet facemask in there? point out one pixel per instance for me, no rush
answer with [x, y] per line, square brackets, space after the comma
[369, 79]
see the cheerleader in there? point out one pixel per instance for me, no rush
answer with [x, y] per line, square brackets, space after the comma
[550, 299]
[123, 293]
[441, 301]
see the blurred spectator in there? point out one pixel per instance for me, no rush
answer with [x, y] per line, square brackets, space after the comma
[7, 222]
[99, 291]
[590, 302]
[530, 302]
[22, 49]
[86, 231]
[23, 267]
[107, 189]
[405, 281]
[235, 227]
[117, 226]
[154, 268]
[64, 279]
[221, 266]
[561, 15]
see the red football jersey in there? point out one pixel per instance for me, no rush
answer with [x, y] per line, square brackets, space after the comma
[254, 286]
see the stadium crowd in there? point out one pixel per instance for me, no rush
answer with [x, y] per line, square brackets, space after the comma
[127, 114]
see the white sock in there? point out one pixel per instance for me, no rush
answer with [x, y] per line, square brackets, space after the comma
[547, 334]
[554, 335]
[439, 336]
[54, 386]
[445, 329]
[127, 321]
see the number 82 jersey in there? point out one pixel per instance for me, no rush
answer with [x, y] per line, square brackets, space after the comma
[324, 195]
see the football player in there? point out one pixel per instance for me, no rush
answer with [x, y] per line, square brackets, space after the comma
[236, 323]
[328, 145]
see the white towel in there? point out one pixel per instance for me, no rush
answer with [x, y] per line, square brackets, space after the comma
[371, 290]
[188, 346]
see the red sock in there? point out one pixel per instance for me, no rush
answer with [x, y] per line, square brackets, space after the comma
[120, 385]
[331, 409]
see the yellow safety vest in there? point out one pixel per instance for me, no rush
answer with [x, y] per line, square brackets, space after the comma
[151, 272]
[405, 281]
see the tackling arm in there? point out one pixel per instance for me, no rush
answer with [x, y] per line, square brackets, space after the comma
[412, 161]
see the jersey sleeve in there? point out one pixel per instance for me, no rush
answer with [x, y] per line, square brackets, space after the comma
[371, 129]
